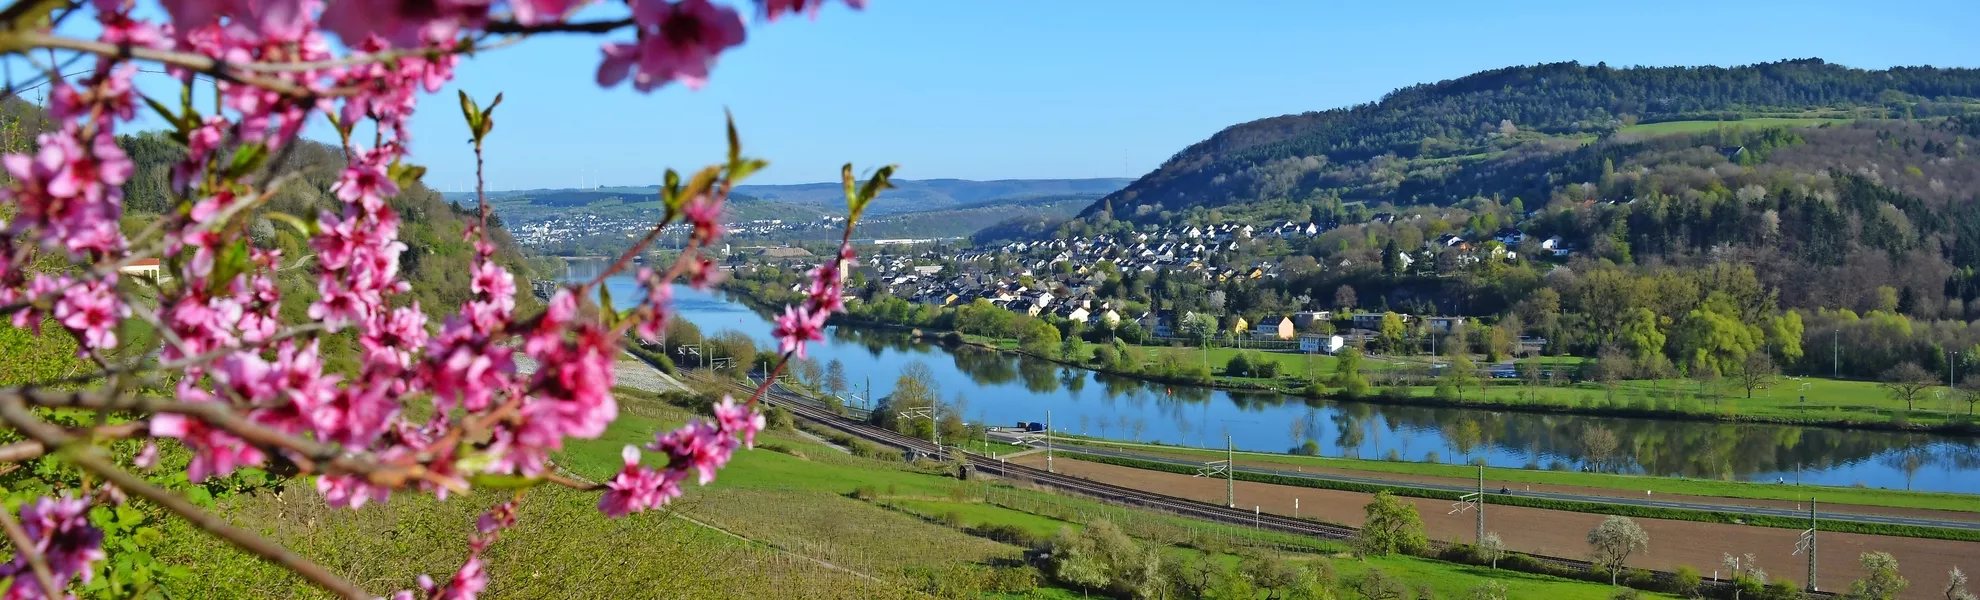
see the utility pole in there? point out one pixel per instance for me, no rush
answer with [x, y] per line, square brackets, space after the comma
[1230, 467]
[1835, 350]
[1048, 441]
[1481, 505]
[1807, 544]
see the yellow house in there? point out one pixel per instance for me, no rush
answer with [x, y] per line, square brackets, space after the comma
[1239, 325]
[1256, 272]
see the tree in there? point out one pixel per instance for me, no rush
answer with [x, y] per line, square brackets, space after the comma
[1643, 336]
[1489, 590]
[1392, 526]
[1597, 444]
[835, 377]
[1347, 373]
[1969, 390]
[1907, 383]
[1072, 348]
[1344, 298]
[1237, 366]
[1492, 548]
[1956, 585]
[1611, 543]
[1461, 373]
[1757, 371]
[1880, 581]
[1198, 328]
[1377, 585]
[1784, 335]
[1076, 560]
[1039, 337]
[1392, 333]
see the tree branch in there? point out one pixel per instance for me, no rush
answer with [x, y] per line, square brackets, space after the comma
[508, 27]
[25, 547]
[14, 411]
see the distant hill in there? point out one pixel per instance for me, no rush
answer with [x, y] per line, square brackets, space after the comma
[1438, 143]
[912, 195]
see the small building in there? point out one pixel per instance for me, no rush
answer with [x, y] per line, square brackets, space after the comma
[1445, 324]
[1305, 319]
[144, 267]
[1329, 344]
[1281, 328]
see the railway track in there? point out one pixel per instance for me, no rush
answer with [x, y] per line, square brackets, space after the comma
[816, 412]
[812, 411]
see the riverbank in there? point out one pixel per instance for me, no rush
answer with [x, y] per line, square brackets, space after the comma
[1836, 404]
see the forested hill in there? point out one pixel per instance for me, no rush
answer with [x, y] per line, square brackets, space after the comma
[915, 195]
[1353, 153]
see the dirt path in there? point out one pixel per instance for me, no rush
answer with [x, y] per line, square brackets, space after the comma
[1556, 533]
[1575, 489]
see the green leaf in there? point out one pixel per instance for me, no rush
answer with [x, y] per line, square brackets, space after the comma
[735, 141]
[231, 262]
[405, 175]
[472, 111]
[670, 194]
[853, 205]
[247, 159]
[605, 304]
[742, 170]
[701, 182]
[170, 116]
[306, 228]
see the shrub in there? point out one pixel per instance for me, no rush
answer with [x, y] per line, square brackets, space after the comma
[778, 419]
[1019, 580]
[1685, 582]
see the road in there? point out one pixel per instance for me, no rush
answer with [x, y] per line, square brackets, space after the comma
[1599, 499]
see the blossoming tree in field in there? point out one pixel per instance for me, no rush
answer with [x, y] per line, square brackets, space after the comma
[225, 377]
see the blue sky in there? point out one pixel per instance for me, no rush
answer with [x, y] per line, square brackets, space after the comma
[1090, 88]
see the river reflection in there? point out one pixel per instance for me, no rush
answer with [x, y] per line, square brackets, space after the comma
[1005, 389]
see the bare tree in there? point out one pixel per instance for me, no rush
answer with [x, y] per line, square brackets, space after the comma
[1140, 425]
[1596, 446]
[1757, 371]
[1611, 543]
[1344, 297]
[1907, 383]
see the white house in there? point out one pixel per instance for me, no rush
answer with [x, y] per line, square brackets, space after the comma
[1445, 324]
[1329, 344]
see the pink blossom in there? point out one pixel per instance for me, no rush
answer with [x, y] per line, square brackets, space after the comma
[537, 12]
[739, 419]
[798, 326]
[350, 491]
[698, 446]
[396, 335]
[703, 274]
[147, 457]
[92, 310]
[215, 452]
[59, 530]
[404, 24]
[705, 212]
[658, 304]
[772, 9]
[677, 41]
[463, 367]
[636, 488]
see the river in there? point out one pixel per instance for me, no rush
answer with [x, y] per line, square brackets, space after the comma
[1004, 389]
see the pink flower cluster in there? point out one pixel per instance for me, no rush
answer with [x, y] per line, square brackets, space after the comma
[59, 531]
[218, 316]
[800, 325]
[700, 448]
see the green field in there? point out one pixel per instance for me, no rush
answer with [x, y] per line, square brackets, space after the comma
[1630, 483]
[812, 521]
[1671, 127]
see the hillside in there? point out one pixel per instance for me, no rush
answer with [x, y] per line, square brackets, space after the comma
[912, 195]
[1384, 151]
